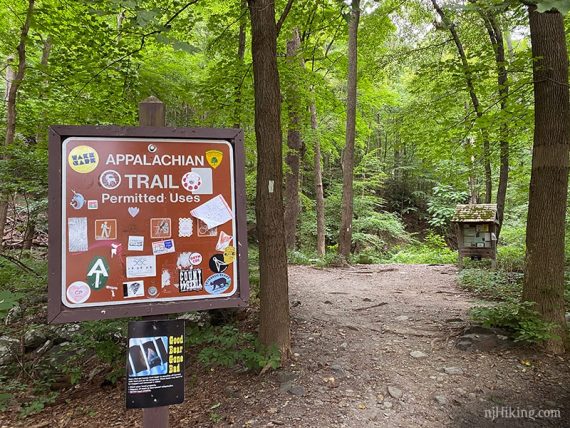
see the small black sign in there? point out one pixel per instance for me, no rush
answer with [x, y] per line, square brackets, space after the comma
[155, 364]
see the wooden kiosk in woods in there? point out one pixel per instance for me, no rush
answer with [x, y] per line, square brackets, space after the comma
[476, 228]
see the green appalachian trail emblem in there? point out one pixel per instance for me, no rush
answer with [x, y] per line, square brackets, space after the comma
[98, 273]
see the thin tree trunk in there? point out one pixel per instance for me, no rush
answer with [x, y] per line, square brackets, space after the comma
[319, 194]
[345, 235]
[294, 145]
[472, 95]
[503, 85]
[498, 44]
[240, 57]
[544, 273]
[12, 95]
[274, 328]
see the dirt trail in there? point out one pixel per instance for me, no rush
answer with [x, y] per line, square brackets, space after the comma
[354, 331]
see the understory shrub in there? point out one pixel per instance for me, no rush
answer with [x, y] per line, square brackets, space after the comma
[491, 284]
[433, 250]
[227, 346]
[516, 316]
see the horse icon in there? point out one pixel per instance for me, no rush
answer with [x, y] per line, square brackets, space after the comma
[110, 179]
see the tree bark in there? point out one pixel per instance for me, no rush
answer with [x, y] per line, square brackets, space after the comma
[544, 273]
[240, 58]
[294, 144]
[12, 94]
[274, 328]
[472, 95]
[319, 194]
[345, 235]
[503, 88]
[498, 44]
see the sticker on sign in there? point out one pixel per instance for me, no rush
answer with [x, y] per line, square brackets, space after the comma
[163, 247]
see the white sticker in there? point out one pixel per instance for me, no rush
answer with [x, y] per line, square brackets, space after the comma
[78, 292]
[184, 261]
[223, 241]
[207, 186]
[136, 243]
[77, 234]
[133, 289]
[141, 266]
[112, 289]
[116, 249]
[163, 247]
[214, 212]
[110, 179]
[192, 181]
[165, 278]
[195, 259]
[184, 227]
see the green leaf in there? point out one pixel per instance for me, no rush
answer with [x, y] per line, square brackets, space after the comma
[562, 6]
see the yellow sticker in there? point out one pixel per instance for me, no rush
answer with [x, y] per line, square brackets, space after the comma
[229, 254]
[83, 159]
[214, 158]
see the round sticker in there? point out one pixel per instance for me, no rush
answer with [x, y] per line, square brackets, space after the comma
[195, 259]
[217, 263]
[191, 181]
[83, 159]
[217, 283]
[78, 292]
[110, 179]
[152, 291]
[229, 254]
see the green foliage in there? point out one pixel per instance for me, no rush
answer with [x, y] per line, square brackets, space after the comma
[442, 204]
[494, 285]
[8, 299]
[433, 250]
[562, 6]
[519, 317]
[105, 339]
[226, 346]
[37, 403]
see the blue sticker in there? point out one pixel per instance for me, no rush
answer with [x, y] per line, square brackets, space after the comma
[218, 283]
[168, 244]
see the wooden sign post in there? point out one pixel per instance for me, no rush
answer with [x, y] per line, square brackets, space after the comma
[152, 113]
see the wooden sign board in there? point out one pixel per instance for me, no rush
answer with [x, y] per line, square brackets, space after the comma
[145, 221]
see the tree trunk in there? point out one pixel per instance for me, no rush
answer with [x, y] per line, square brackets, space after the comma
[274, 329]
[294, 144]
[472, 95]
[319, 194]
[544, 273]
[345, 235]
[240, 58]
[503, 85]
[498, 45]
[11, 98]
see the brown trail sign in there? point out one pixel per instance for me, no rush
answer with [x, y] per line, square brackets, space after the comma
[145, 221]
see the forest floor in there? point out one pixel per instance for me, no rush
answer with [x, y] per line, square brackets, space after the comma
[374, 346]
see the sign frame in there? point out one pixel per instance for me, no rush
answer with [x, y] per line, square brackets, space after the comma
[57, 311]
